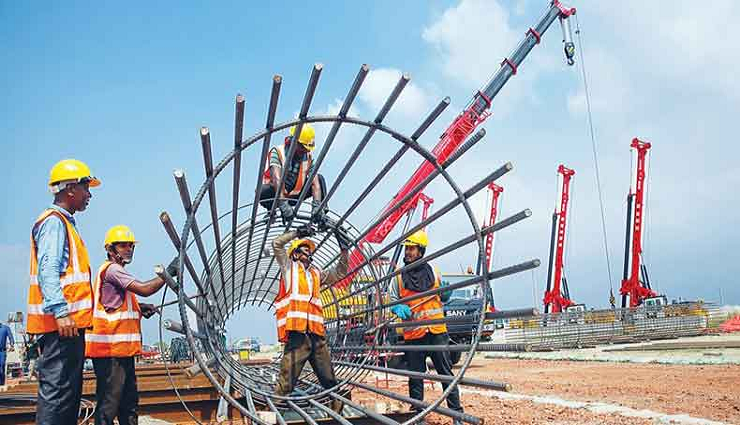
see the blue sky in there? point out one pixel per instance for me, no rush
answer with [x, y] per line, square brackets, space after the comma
[125, 88]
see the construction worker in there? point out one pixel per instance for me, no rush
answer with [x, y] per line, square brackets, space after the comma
[60, 294]
[115, 337]
[299, 169]
[6, 336]
[422, 278]
[300, 317]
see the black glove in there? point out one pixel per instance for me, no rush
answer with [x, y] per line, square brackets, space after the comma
[286, 211]
[318, 215]
[147, 310]
[305, 231]
[173, 269]
[342, 239]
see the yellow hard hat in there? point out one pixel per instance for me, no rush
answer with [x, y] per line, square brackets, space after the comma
[308, 134]
[70, 170]
[295, 243]
[418, 238]
[119, 233]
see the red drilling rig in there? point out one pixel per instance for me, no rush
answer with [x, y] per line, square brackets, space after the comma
[557, 294]
[635, 281]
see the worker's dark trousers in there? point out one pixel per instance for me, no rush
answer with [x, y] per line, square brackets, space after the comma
[417, 363]
[116, 394]
[267, 194]
[2, 367]
[299, 348]
[59, 370]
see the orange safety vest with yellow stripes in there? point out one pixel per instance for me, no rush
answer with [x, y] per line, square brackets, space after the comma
[430, 309]
[74, 280]
[302, 171]
[298, 305]
[116, 333]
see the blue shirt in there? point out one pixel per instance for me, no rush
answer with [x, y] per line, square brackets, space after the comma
[53, 258]
[5, 334]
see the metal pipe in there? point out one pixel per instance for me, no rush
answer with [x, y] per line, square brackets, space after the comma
[238, 131]
[272, 110]
[436, 348]
[343, 110]
[442, 211]
[174, 326]
[159, 271]
[195, 369]
[222, 411]
[170, 229]
[471, 382]
[496, 274]
[449, 248]
[205, 139]
[420, 404]
[278, 415]
[182, 187]
[307, 98]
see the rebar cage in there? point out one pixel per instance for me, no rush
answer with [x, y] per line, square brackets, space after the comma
[240, 270]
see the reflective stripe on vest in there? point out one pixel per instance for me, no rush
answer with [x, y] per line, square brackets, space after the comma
[298, 306]
[302, 171]
[116, 333]
[431, 309]
[74, 280]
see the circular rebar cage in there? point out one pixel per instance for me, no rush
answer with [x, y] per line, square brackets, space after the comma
[240, 270]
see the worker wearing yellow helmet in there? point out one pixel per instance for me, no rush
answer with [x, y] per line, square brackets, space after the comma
[299, 169]
[115, 337]
[60, 296]
[299, 310]
[418, 278]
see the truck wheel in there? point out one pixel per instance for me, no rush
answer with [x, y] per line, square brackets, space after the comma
[455, 357]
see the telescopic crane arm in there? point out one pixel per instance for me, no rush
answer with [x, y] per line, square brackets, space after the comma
[472, 116]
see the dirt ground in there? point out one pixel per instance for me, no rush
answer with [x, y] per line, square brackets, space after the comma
[706, 392]
[702, 391]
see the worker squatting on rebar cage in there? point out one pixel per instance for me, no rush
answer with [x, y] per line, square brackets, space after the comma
[297, 171]
[418, 279]
[298, 308]
[115, 337]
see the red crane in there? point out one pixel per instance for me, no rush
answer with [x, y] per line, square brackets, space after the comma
[496, 191]
[632, 286]
[557, 297]
[474, 114]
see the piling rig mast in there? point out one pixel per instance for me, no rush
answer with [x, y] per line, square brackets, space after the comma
[557, 294]
[463, 126]
[635, 282]
[495, 191]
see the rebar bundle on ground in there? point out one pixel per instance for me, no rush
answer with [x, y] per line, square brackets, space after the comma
[239, 270]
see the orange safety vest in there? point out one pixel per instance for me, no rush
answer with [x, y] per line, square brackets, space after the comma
[116, 333]
[302, 171]
[431, 309]
[298, 306]
[74, 280]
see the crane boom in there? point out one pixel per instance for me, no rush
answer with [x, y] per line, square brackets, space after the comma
[634, 288]
[556, 298]
[464, 124]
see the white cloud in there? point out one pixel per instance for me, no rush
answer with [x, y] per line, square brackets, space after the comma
[472, 38]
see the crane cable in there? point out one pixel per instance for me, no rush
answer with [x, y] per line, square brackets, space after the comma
[595, 155]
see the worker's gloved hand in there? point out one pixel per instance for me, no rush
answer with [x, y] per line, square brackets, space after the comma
[173, 269]
[286, 211]
[343, 240]
[444, 296]
[147, 310]
[318, 215]
[305, 231]
[402, 311]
